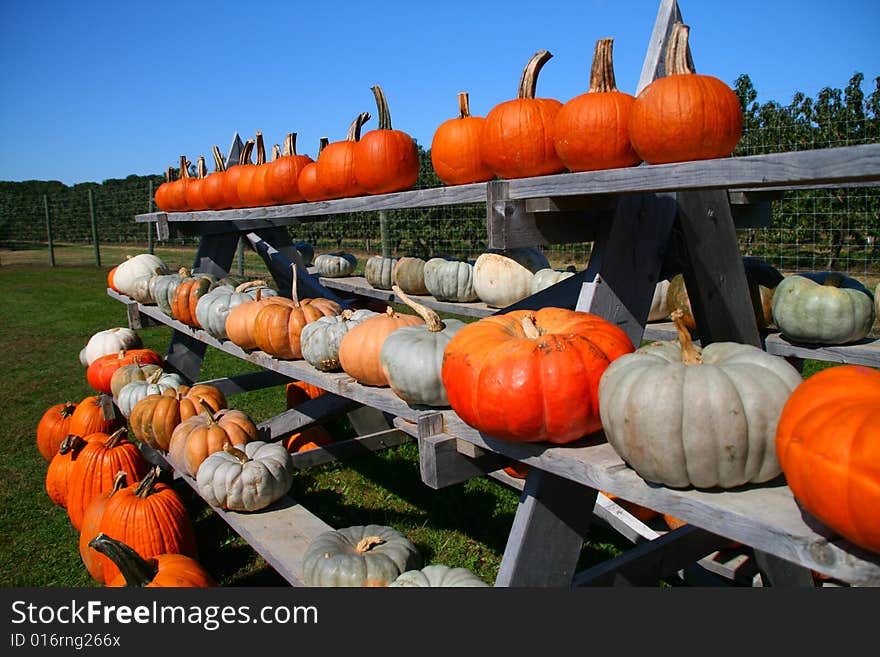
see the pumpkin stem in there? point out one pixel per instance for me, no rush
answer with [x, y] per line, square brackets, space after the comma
[184, 167]
[136, 570]
[602, 72]
[68, 409]
[261, 149]
[219, 163]
[259, 294]
[117, 437]
[120, 481]
[276, 152]
[529, 81]
[169, 174]
[71, 443]
[464, 107]
[690, 354]
[148, 483]
[208, 410]
[201, 167]
[290, 144]
[346, 314]
[293, 292]
[432, 319]
[368, 543]
[249, 284]
[677, 60]
[530, 327]
[182, 272]
[232, 450]
[244, 157]
[389, 311]
[154, 377]
[382, 106]
[322, 144]
[354, 130]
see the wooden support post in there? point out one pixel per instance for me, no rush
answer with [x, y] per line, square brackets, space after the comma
[94, 228]
[654, 65]
[384, 236]
[215, 253]
[778, 572]
[150, 225]
[49, 231]
[548, 532]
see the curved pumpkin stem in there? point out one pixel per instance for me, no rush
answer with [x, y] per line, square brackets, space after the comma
[431, 318]
[354, 130]
[464, 106]
[690, 354]
[293, 291]
[71, 443]
[219, 162]
[529, 81]
[678, 61]
[244, 157]
[261, 149]
[184, 167]
[154, 377]
[201, 167]
[382, 106]
[602, 72]
[249, 284]
[368, 543]
[530, 327]
[116, 438]
[146, 485]
[120, 481]
[136, 570]
[232, 450]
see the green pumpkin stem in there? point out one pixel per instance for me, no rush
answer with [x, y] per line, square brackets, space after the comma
[117, 438]
[602, 72]
[368, 543]
[432, 319]
[382, 106]
[233, 451]
[136, 570]
[354, 130]
[529, 81]
[219, 162]
[690, 353]
[244, 157]
[677, 60]
[464, 106]
[147, 485]
[530, 327]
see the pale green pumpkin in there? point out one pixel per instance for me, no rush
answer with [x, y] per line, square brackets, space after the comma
[335, 265]
[450, 280]
[438, 576]
[249, 477]
[155, 384]
[319, 340]
[362, 555]
[547, 277]
[162, 288]
[213, 307]
[379, 272]
[823, 308]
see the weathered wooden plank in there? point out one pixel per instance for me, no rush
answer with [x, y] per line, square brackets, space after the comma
[136, 320]
[359, 446]
[443, 464]
[864, 352]
[781, 573]
[548, 532]
[654, 65]
[185, 354]
[304, 415]
[234, 385]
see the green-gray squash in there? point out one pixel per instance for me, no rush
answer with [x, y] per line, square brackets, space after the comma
[438, 575]
[155, 384]
[245, 478]
[502, 278]
[450, 280]
[546, 277]
[823, 308]
[379, 272]
[412, 356]
[213, 307]
[335, 265]
[319, 340]
[681, 416]
[362, 555]
[409, 275]
[163, 287]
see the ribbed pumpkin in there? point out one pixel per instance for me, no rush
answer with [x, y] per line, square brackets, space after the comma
[186, 297]
[548, 277]
[129, 373]
[91, 527]
[412, 356]
[299, 392]
[200, 435]
[308, 183]
[60, 467]
[438, 576]
[503, 277]
[154, 418]
[335, 265]
[409, 275]
[828, 444]
[379, 271]
[162, 288]
[150, 517]
[455, 148]
[195, 200]
[361, 347]
[88, 417]
[518, 134]
[53, 428]
[248, 478]
[100, 372]
[450, 280]
[136, 267]
[162, 570]
[155, 384]
[212, 186]
[279, 322]
[251, 179]
[684, 116]
[335, 164]
[282, 177]
[302, 441]
[95, 469]
[319, 340]
[532, 376]
[591, 131]
[230, 178]
[385, 160]
[239, 324]
[214, 307]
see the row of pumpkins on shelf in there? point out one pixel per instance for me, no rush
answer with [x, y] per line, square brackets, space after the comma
[682, 116]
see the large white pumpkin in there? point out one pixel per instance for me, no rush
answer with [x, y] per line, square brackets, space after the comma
[502, 278]
[109, 341]
[246, 478]
[142, 266]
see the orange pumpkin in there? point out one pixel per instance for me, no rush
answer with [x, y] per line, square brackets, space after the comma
[203, 434]
[531, 376]
[212, 186]
[186, 297]
[60, 467]
[360, 348]
[307, 181]
[162, 570]
[230, 178]
[828, 444]
[455, 148]
[110, 282]
[297, 392]
[154, 418]
[160, 198]
[194, 189]
[518, 134]
[176, 195]
[385, 160]
[251, 179]
[53, 427]
[310, 438]
[283, 174]
[240, 322]
[88, 417]
[100, 372]
[91, 527]
[592, 130]
[335, 164]
[684, 116]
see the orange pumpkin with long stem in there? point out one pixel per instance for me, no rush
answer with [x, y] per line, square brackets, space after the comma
[230, 178]
[684, 116]
[455, 148]
[282, 177]
[212, 186]
[53, 427]
[176, 195]
[307, 181]
[385, 160]
[251, 195]
[335, 164]
[518, 134]
[591, 131]
[160, 198]
[162, 570]
[194, 194]
[360, 348]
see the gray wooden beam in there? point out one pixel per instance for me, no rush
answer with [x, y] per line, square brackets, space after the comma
[305, 415]
[351, 448]
[248, 382]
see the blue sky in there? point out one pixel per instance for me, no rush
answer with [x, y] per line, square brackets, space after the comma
[97, 90]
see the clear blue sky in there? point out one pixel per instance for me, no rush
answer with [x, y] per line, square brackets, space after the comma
[97, 90]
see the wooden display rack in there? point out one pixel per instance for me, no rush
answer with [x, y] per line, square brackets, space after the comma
[644, 222]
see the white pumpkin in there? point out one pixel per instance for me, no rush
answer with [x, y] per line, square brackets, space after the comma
[246, 478]
[659, 305]
[681, 416]
[335, 265]
[155, 384]
[379, 272]
[135, 267]
[547, 277]
[438, 576]
[502, 278]
[109, 341]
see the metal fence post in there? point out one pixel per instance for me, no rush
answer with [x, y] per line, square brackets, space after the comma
[94, 228]
[149, 224]
[49, 231]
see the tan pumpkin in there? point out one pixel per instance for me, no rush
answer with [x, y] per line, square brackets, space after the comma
[240, 322]
[203, 434]
[154, 418]
[360, 349]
